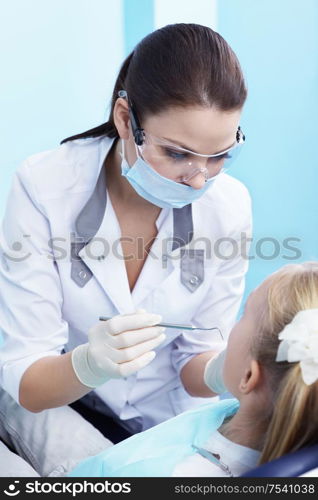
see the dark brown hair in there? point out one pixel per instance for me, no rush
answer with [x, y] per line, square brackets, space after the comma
[177, 65]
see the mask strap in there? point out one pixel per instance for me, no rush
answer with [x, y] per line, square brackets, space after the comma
[122, 152]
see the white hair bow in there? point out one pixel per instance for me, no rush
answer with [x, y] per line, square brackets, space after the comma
[299, 342]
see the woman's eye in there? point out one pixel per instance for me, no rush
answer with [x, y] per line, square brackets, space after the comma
[176, 155]
[223, 157]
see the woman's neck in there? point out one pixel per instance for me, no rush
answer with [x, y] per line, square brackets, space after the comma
[118, 186]
[246, 430]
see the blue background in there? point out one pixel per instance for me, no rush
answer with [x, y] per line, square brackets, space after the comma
[59, 61]
[277, 45]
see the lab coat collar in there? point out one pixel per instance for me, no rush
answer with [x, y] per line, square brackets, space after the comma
[90, 217]
[182, 226]
[90, 221]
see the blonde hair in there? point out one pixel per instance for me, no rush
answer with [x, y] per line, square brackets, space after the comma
[293, 421]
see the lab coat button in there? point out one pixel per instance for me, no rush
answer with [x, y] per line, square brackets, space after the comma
[82, 274]
[194, 280]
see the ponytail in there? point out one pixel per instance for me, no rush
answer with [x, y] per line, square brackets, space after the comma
[293, 424]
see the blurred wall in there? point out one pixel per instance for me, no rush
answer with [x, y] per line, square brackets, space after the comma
[59, 60]
[185, 11]
[277, 45]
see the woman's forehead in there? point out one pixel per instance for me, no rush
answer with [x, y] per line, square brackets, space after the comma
[199, 129]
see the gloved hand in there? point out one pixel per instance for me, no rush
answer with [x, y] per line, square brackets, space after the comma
[117, 347]
[213, 373]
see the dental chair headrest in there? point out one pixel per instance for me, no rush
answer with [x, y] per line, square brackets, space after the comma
[291, 465]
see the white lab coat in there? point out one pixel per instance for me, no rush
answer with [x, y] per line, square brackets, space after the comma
[50, 296]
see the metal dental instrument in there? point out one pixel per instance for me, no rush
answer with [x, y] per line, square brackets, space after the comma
[172, 325]
[212, 458]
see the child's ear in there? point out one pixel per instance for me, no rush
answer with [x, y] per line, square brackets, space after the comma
[251, 378]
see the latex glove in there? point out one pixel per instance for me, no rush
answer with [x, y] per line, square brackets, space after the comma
[117, 347]
[213, 373]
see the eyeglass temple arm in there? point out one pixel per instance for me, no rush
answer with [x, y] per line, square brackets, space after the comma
[239, 134]
[135, 124]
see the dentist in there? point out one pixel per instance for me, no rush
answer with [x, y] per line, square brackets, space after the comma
[136, 220]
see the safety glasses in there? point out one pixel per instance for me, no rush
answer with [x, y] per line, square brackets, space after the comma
[181, 164]
[175, 162]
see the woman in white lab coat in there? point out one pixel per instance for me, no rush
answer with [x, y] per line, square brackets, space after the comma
[134, 220]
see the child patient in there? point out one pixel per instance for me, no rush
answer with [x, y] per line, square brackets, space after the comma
[271, 369]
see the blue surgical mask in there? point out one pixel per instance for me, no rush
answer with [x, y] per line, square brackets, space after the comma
[157, 189]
